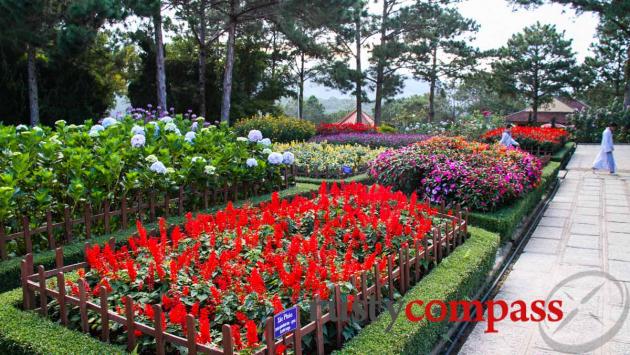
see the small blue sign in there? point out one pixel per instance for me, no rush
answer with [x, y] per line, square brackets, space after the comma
[285, 322]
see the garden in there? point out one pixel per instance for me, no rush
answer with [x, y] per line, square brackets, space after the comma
[280, 224]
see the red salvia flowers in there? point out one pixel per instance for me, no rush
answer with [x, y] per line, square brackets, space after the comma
[239, 266]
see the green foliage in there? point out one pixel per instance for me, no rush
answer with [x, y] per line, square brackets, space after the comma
[28, 333]
[537, 63]
[563, 155]
[590, 123]
[457, 277]
[361, 179]
[280, 128]
[46, 169]
[385, 128]
[472, 126]
[101, 69]
[504, 221]
[603, 74]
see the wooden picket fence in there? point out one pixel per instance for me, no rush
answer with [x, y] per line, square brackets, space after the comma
[134, 207]
[402, 273]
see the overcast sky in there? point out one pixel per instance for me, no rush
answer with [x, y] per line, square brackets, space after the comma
[498, 21]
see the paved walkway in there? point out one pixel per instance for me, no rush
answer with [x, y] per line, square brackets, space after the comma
[585, 229]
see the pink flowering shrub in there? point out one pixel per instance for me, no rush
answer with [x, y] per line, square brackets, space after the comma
[477, 175]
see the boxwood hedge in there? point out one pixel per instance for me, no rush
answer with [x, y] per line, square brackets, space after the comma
[564, 155]
[73, 253]
[27, 333]
[458, 277]
[362, 179]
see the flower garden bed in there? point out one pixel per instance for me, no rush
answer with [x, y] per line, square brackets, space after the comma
[336, 128]
[247, 269]
[322, 161]
[478, 176]
[536, 140]
[390, 140]
[505, 220]
[75, 181]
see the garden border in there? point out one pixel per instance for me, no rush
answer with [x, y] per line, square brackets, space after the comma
[564, 154]
[361, 178]
[459, 276]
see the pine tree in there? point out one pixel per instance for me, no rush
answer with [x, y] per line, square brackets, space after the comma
[438, 45]
[38, 26]
[152, 9]
[537, 62]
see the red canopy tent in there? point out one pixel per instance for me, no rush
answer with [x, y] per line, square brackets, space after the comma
[351, 118]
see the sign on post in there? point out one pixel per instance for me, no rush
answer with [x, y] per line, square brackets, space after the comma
[285, 322]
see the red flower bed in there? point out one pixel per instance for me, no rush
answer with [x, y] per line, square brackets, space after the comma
[336, 128]
[242, 265]
[531, 138]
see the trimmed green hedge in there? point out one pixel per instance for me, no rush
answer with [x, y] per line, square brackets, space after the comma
[505, 220]
[362, 179]
[73, 253]
[564, 155]
[27, 333]
[458, 277]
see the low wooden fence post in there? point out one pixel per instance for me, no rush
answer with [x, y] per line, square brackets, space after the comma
[228, 341]
[27, 234]
[104, 305]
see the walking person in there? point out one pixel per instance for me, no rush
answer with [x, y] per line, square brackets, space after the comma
[506, 138]
[605, 159]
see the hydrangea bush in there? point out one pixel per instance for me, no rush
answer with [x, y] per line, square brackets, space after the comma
[453, 170]
[323, 160]
[45, 168]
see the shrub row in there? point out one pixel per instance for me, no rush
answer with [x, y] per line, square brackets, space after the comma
[458, 277]
[282, 129]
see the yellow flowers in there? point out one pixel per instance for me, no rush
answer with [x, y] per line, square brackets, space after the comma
[323, 160]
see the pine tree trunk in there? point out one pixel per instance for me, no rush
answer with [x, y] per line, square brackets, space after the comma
[301, 93]
[433, 85]
[202, 63]
[358, 79]
[33, 96]
[626, 93]
[160, 71]
[380, 72]
[229, 65]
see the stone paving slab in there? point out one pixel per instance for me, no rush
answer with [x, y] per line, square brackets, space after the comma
[585, 229]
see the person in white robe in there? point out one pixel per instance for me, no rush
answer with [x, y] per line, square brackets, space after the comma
[605, 159]
[506, 137]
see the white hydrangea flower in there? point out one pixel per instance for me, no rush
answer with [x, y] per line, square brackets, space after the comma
[166, 119]
[170, 171]
[137, 130]
[209, 170]
[158, 167]
[194, 126]
[254, 135]
[109, 121]
[241, 139]
[171, 127]
[275, 158]
[288, 158]
[267, 151]
[195, 160]
[190, 136]
[60, 122]
[151, 159]
[212, 126]
[138, 141]
[21, 127]
[251, 162]
[266, 142]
